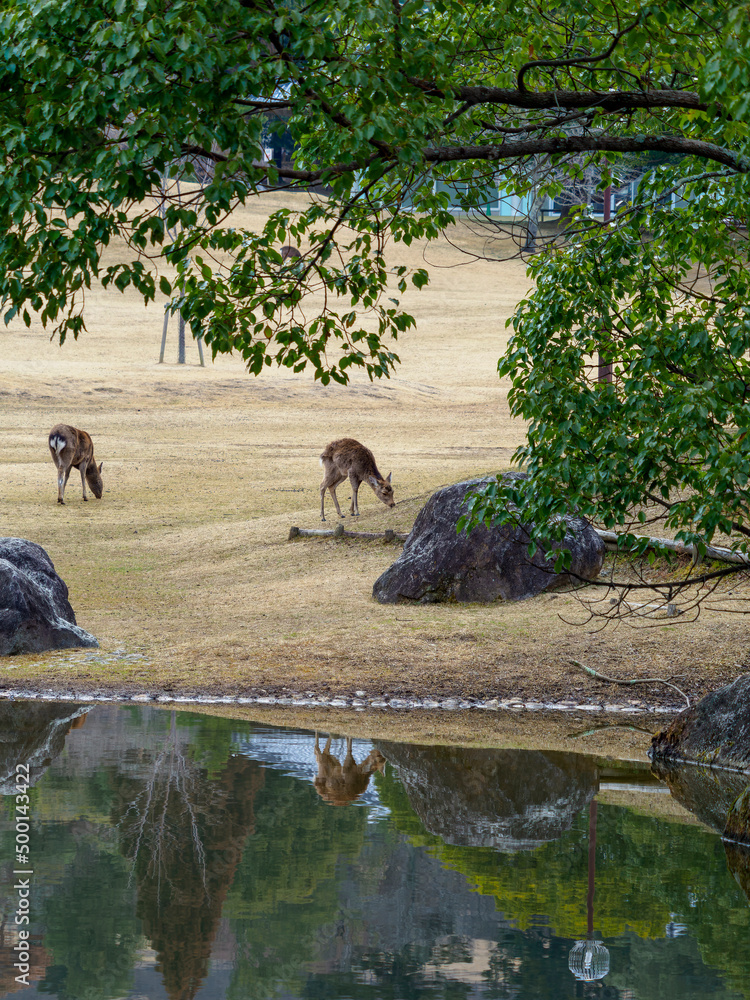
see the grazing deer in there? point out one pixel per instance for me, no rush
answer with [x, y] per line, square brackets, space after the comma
[348, 457]
[74, 449]
[289, 253]
[339, 783]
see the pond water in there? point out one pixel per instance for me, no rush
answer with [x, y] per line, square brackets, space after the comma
[171, 854]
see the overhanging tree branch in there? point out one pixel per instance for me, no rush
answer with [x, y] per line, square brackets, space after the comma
[573, 61]
[554, 100]
[559, 145]
[554, 146]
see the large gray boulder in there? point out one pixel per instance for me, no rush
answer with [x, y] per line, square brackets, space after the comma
[437, 564]
[715, 731]
[35, 614]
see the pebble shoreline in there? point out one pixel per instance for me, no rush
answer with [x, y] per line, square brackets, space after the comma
[381, 702]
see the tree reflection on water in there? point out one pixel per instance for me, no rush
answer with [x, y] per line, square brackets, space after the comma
[183, 834]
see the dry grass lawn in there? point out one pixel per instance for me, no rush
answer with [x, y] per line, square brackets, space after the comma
[186, 559]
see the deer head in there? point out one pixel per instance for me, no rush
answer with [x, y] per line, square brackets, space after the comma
[94, 479]
[383, 489]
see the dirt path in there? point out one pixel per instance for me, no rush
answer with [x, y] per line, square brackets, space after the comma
[183, 570]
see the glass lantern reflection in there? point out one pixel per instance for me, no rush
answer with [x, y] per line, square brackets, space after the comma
[589, 960]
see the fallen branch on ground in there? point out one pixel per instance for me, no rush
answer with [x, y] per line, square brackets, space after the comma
[340, 532]
[616, 680]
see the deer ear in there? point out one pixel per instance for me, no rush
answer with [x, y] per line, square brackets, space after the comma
[372, 480]
[388, 478]
[100, 466]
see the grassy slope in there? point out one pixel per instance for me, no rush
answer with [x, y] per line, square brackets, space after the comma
[186, 557]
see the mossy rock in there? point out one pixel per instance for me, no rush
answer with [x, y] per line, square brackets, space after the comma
[714, 732]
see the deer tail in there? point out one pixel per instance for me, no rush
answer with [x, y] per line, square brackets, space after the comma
[57, 442]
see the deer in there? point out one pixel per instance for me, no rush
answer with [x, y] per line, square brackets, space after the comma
[290, 253]
[339, 783]
[74, 449]
[347, 457]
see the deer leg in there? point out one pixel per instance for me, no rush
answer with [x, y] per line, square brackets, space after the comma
[331, 481]
[332, 491]
[82, 469]
[355, 489]
[62, 480]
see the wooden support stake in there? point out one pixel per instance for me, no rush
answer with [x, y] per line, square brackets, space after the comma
[164, 336]
[181, 339]
[181, 342]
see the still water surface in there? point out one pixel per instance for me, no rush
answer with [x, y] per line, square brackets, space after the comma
[180, 855]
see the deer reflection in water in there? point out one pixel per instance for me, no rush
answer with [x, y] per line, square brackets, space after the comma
[339, 783]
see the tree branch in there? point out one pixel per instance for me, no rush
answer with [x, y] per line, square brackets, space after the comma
[576, 60]
[588, 143]
[604, 100]
[559, 145]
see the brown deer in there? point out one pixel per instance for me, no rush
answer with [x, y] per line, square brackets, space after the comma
[339, 783]
[74, 449]
[348, 457]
